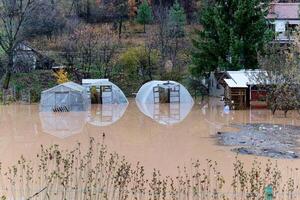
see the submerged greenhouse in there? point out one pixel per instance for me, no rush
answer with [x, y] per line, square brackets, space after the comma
[64, 98]
[102, 91]
[154, 92]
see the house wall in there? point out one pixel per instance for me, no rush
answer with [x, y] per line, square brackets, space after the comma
[215, 89]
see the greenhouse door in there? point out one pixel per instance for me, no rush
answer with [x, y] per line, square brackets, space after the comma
[164, 95]
[106, 94]
[62, 99]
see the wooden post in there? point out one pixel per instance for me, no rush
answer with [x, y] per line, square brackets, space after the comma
[29, 97]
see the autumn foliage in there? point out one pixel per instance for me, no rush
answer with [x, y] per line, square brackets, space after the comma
[61, 76]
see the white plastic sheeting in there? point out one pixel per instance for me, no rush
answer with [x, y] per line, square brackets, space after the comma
[63, 125]
[118, 96]
[70, 95]
[106, 114]
[166, 114]
[145, 94]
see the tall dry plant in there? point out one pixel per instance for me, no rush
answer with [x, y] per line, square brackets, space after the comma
[96, 173]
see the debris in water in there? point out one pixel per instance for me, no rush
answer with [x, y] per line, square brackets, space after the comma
[275, 141]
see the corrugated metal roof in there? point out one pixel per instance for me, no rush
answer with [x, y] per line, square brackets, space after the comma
[243, 78]
[232, 84]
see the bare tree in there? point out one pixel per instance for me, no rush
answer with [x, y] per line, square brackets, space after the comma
[92, 49]
[280, 72]
[13, 16]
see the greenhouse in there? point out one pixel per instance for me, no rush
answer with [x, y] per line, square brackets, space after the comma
[102, 91]
[155, 92]
[64, 98]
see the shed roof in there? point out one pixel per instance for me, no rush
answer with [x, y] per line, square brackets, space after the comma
[232, 84]
[243, 78]
[71, 85]
[96, 82]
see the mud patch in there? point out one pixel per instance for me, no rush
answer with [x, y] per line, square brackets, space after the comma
[269, 140]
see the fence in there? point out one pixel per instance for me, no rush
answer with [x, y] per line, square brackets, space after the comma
[13, 95]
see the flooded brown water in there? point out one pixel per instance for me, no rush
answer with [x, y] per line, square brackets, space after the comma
[129, 132]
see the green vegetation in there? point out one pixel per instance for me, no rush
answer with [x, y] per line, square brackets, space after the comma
[177, 20]
[103, 39]
[33, 83]
[282, 67]
[144, 14]
[233, 33]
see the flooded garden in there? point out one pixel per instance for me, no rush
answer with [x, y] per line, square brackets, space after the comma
[121, 152]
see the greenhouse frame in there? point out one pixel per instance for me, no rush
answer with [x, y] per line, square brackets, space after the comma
[65, 97]
[154, 92]
[107, 92]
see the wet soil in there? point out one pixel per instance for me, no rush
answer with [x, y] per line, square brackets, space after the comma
[263, 139]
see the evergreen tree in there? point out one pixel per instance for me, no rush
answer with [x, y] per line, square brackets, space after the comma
[144, 15]
[176, 21]
[234, 31]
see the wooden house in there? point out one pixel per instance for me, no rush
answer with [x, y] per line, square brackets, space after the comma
[239, 89]
[26, 59]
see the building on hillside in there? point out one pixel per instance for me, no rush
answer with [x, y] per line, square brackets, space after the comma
[26, 59]
[239, 89]
[216, 83]
[284, 17]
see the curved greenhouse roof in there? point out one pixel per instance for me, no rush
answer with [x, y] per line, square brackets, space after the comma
[150, 92]
[110, 92]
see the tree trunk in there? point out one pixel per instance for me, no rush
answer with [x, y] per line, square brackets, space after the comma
[144, 28]
[8, 71]
[120, 27]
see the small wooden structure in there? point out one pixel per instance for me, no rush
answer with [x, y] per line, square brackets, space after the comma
[236, 97]
[26, 59]
[241, 88]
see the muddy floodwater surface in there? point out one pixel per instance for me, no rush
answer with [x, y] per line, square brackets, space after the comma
[163, 140]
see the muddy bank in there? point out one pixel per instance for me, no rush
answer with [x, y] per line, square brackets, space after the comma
[269, 140]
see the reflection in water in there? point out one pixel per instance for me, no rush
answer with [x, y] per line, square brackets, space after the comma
[166, 114]
[63, 125]
[106, 114]
[137, 136]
